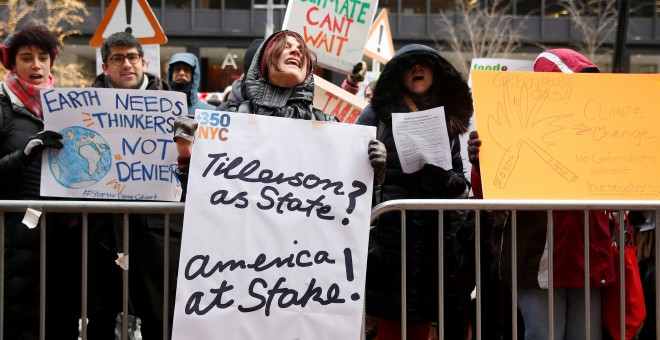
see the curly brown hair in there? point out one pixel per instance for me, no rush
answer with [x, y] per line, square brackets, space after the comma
[32, 34]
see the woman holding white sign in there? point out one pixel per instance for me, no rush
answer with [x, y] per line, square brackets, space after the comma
[28, 56]
[417, 79]
[279, 82]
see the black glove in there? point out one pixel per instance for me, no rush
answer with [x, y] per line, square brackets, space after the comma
[378, 160]
[474, 143]
[41, 141]
[437, 182]
[359, 71]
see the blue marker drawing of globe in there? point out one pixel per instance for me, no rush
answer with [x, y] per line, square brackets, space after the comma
[83, 161]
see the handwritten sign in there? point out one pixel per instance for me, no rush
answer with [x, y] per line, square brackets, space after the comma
[275, 231]
[490, 64]
[117, 144]
[568, 136]
[336, 101]
[336, 31]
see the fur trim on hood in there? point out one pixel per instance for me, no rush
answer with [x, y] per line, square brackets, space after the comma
[449, 87]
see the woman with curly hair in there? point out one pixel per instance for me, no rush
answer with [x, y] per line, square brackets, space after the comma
[417, 78]
[28, 56]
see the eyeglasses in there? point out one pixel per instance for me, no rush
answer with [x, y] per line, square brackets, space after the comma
[118, 59]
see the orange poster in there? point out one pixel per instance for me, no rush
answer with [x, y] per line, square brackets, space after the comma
[568, 136]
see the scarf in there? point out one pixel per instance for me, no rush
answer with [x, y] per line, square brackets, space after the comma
[28, 93]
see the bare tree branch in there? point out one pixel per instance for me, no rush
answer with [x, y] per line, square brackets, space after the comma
[596, 21]
[62, 18]
[482, 31]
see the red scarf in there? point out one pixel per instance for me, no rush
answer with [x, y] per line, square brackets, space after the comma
[27, 93]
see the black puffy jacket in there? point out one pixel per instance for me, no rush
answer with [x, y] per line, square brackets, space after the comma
[384, 276]
[20, 179]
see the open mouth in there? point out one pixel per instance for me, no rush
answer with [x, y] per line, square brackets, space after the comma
[293, 61]
[36, 76]
[418, 77]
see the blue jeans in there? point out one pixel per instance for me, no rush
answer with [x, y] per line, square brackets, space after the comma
[569, 316]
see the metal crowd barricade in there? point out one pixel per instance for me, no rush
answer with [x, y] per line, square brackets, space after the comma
[125, 208]
[514, 206]
[85, 208]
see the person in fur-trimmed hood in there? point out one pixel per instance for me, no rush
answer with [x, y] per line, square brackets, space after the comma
[417, 78]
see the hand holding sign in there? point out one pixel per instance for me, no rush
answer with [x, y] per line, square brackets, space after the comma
[272, 239]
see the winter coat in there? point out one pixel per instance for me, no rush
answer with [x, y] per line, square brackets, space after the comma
[256, 95]
[531, 229]
[383, 298]
[146, 234]
[20, 180]
[194, 103]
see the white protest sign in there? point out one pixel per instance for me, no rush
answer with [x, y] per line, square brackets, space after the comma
[117, 144]
[336, 31]
[275, 231]
[421, 138]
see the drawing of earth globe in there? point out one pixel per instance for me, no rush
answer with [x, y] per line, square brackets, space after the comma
[83, 161]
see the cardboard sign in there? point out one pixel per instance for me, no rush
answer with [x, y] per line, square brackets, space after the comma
[275, 231]
[336, 101]
[490, 64]
[568, 136]
[117, 144]
[336, 31]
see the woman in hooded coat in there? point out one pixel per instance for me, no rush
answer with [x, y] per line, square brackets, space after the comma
[417, 78]
[280, 83]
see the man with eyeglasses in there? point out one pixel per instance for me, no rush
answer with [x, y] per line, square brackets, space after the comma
[123, 68]
[123, 65]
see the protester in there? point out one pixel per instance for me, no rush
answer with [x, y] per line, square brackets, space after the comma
[123, 68]
[568, 253]
[28, 56]
[279, 82]
[183, 75]
[417, 78]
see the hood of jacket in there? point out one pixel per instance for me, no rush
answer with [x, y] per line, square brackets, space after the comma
[563, 60]
[267, 98]
[193, 62]
[453, 93]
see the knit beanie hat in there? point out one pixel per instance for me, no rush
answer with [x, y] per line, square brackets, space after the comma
[250, 52]
[563, 60]
[5, 54]
[263, 63]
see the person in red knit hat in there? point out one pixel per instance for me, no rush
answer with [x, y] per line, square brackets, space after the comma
[568, 254]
